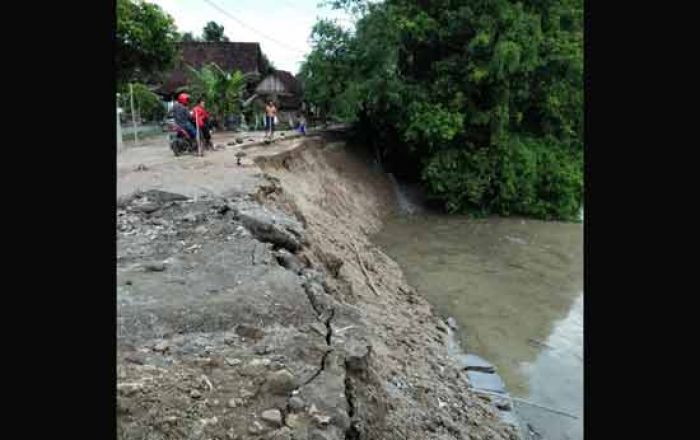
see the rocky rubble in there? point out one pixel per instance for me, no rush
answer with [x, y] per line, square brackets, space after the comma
[214, 324]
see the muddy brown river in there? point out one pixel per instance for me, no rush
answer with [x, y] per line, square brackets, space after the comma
[515, 287]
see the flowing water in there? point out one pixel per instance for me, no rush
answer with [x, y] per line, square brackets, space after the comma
[515, 287]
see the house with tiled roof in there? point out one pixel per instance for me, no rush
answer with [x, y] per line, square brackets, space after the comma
[230, 56]
[282, 87]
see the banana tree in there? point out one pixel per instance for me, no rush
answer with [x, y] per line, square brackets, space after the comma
[222, 91]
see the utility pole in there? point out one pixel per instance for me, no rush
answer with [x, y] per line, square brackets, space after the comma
[199, 140]
[119, 129]
[133, 114]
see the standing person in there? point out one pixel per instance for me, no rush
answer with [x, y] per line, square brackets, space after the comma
[182, 114]
[302, 124]
[270, 115]
[201, 117]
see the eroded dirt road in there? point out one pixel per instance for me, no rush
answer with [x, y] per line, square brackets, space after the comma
[245, 311]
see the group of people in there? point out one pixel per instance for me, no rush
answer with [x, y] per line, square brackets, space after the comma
[198, 117]
[191, 120]
[271, 117]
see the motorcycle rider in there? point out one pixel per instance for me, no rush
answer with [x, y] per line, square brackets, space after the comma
[182, 114]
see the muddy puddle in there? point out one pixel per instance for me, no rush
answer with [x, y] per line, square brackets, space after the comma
[515, 287]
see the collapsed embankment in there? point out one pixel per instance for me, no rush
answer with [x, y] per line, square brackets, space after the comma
[271, 315]
[411, 388]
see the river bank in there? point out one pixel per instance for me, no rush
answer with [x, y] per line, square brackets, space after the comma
[257, 307]
[515, 289]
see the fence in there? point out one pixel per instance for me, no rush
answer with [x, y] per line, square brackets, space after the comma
[133, 131]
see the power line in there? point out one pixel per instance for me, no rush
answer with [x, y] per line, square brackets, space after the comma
[288, 4]
[262, 34]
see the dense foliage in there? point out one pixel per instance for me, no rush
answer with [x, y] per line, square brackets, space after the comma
[222, 91]
[145, 41]
[482, 99]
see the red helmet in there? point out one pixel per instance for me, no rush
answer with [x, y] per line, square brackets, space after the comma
[183, 98]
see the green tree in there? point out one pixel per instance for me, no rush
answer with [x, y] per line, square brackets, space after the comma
[213, 32]
[221, 90]
[145, 41]
[187, 37]
[324, 74]
[481, 99]
[148, 105]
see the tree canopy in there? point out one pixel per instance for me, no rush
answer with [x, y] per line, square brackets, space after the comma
[145, 41]
[213, 32]
[221, 90]
[188, 37]
[481, 99]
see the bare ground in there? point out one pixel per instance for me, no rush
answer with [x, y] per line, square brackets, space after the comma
[254, 306]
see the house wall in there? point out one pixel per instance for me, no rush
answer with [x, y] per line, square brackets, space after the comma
[270, 85]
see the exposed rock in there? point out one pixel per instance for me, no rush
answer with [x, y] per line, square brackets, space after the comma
[289, 261]
[262, 349]
[136, 358]
[296, 404]
[154, 266]
[162, 196]
[321, 419]
[233, 361]
[280, 434]
[247, 394]
[146, 208]
[318, 328]
[254, 367]
[504, 404]
[161, 346]
[249, 331]
[195, 394]
[320, 301]
[295, 421]
[281, 382]
[273, 417]
[190, 217]
[128, 389]
[357, 357]
[452, 323]
[486, 381]
[473, 362]
[256, 428]
[323, 435]
[210, 421]
[270, 226]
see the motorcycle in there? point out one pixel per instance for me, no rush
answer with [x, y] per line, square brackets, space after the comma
[181, 142]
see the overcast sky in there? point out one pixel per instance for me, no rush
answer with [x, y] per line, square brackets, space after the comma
[282, 27]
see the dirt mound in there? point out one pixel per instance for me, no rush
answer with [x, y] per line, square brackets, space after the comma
[405, 386]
